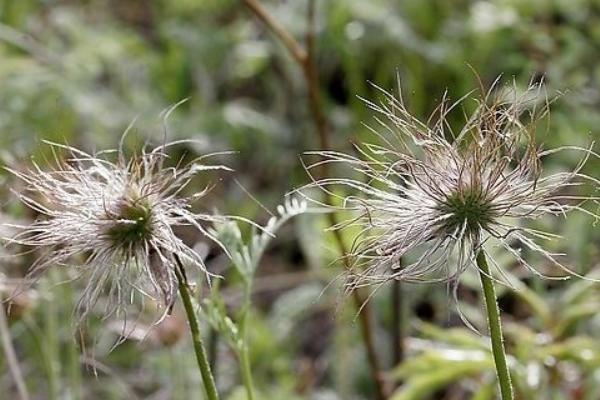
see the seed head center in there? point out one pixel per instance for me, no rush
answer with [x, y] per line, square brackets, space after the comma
[133, 224]
[467, 208]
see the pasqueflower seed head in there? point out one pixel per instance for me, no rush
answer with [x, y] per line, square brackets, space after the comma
[114, 220]
[436, 195]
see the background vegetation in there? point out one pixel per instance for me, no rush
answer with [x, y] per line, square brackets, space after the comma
[81, 71]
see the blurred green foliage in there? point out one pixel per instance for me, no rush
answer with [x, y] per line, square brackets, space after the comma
[552, 355]
[82, 71]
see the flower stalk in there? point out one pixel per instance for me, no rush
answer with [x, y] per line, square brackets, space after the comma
[201, 357]
[495, 328]
[243, 352]
[304, 55]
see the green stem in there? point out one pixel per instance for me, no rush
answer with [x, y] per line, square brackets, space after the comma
[247, 373]
[73, 366]
[244, 356]
[207, 377]
[506, 389]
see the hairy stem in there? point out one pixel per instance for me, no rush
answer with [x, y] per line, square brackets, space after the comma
[244, 356]
[306, 60]
[201, 357]
[247, 373]
[493, 315]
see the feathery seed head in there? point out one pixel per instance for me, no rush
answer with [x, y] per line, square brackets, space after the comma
[436, 195]
[115, 221]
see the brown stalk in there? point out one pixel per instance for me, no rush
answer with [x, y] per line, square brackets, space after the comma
[397, 331]
[305, 58]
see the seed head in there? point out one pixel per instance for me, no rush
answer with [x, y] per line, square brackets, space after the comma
[436, 196]
[115, 222]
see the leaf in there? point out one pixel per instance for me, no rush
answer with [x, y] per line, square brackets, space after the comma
[454, 336]
[246, 256]
[214, 311]
[419, 387]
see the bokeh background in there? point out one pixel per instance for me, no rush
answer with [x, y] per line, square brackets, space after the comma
[80, 72]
